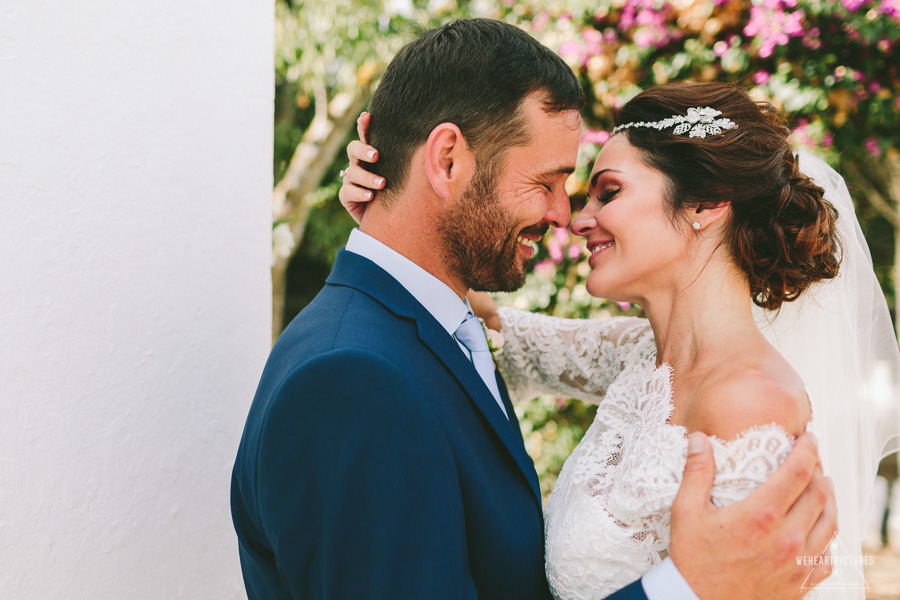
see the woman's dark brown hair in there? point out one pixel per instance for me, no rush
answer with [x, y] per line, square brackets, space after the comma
[781, 231]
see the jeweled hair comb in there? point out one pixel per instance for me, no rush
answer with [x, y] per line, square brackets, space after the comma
[697, 123]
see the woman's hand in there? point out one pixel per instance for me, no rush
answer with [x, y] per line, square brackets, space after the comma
[359, 184]
[484, 307]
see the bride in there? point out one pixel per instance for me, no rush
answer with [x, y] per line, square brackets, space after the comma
[764, 320]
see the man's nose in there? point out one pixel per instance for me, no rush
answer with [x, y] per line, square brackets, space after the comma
[560, 210]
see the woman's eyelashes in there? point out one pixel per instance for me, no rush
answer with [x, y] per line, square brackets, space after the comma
[608, 194]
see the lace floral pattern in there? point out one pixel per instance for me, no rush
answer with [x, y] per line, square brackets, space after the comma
[608, 519]
[578, 357]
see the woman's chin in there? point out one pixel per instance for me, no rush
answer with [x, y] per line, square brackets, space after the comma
[600, 289]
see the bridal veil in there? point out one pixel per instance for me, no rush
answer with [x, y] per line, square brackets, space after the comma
[838, 336]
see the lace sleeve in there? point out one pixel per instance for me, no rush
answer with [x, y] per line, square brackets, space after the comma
[578, 358]
[746, 462]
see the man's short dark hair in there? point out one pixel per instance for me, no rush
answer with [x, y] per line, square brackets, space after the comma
[473, 73]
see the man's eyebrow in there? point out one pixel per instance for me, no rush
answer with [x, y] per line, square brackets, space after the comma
[597, 175]
[566, 170]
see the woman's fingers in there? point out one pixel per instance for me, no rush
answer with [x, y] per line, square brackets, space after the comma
[359, 185]
[362, 126]
[359, 177]
[360, 152]
[354, 200]
[357, 190]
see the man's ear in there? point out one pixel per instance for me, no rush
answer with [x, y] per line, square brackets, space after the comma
[449, 163]
[709, 213]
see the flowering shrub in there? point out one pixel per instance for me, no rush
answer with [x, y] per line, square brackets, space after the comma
[829, 66]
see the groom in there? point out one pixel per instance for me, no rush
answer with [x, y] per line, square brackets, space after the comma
[381, 457]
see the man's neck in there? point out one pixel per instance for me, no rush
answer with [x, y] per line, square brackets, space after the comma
[413, 239]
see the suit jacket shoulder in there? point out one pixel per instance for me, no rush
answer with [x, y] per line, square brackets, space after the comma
[375, 463]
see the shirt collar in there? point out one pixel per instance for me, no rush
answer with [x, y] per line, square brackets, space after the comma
[432, 293]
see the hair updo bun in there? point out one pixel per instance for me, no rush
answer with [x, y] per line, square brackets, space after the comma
[782, 232]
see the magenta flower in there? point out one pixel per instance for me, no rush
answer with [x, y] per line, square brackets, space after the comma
[852, 5]
[574, 251]
[556, 243]
[771, 26]
[624, 305]
[761, 77]
[801, 134]
[649, 22]
[545, 268]
[872, 147]
[828, 140]
[569, 49]
[593, 41]
[556, 253]
[594, 136]
[890, 8]
[540, 20]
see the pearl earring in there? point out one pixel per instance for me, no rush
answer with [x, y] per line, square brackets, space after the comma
[696, 225]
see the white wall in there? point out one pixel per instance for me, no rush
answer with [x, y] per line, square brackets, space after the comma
[135, 186]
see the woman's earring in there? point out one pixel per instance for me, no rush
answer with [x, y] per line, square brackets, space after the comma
[696, 225]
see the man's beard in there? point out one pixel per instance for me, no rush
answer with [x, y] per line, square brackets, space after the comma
[479, 238]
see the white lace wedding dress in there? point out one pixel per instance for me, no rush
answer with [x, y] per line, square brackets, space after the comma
[607, 520]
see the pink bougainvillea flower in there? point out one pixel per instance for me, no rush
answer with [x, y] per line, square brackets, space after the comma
[569, 49]
[852, 5]
[594, 136]
[872, 147]
[772, 26]
[890, 8]
[545, 268]
[761, 78]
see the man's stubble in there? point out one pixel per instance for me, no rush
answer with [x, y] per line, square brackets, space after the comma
[479, 237]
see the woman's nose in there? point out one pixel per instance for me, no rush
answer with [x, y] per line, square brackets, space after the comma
[583, 223]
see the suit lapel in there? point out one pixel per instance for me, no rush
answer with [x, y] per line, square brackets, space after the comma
[354, 271]
[447, 351]
[504, 395]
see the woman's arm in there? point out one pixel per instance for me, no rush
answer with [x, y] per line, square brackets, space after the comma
[578, 358]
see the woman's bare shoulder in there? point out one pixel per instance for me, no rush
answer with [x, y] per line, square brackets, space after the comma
[748, 393]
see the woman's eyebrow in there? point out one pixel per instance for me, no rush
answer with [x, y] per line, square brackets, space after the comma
[597, 175]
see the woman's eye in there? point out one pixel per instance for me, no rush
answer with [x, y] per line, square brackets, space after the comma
[608, 195]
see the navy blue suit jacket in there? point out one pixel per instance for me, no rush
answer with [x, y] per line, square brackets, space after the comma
[375, 463]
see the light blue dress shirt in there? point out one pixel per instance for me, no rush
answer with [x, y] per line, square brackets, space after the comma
[664, 581]
[432, 293]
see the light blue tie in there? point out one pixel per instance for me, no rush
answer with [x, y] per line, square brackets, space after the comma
[471, 335]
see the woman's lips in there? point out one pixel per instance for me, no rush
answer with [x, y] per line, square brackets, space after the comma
[598, 248]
